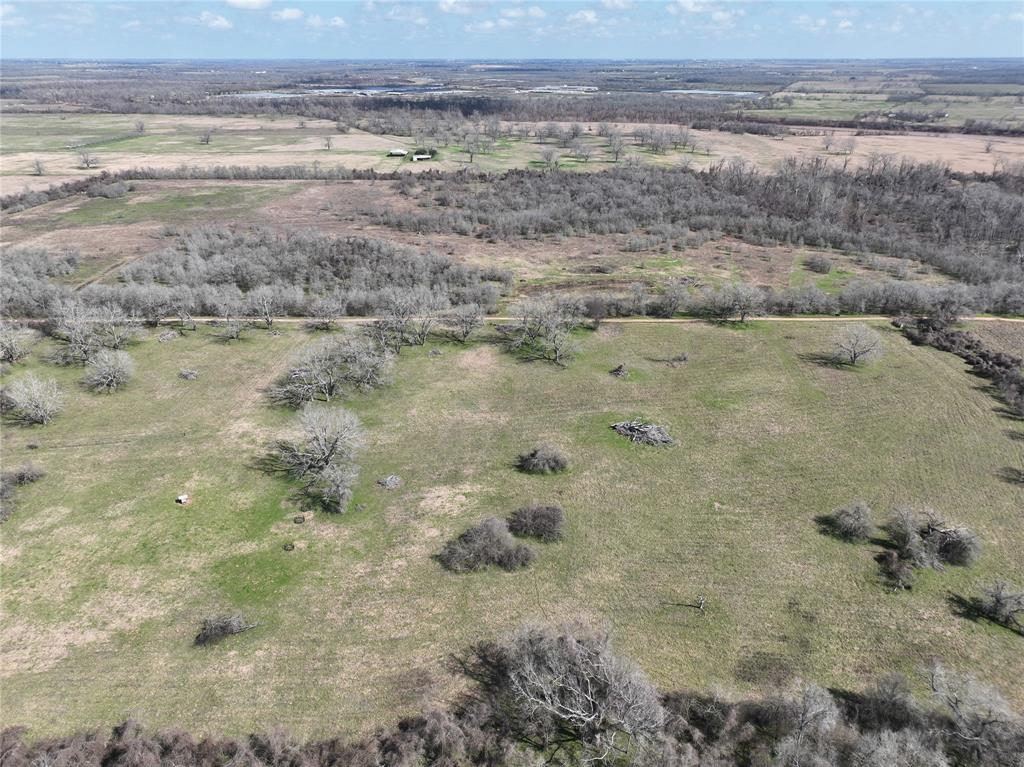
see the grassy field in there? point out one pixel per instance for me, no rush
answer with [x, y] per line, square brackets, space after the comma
[106, 579]
[169, 141]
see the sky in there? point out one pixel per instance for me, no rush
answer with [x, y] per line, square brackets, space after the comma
[510, 29]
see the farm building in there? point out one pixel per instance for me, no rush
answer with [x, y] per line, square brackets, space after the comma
[397, 153]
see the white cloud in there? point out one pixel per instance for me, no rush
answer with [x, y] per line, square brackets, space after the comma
[453, 6]
[407, 14]
[687, 6]
[617, 5]
[9, 16]
[1018, 16]
[810, 24]
[582, 17]
[316, 21]
[481, 27]
[337, 21]
[287, 14]
[133, 24]
[722, 19]
[249, 5]
[214, 21]
[532, 12]
[845, 25]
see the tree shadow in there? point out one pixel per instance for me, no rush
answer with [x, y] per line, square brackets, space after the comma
[1013, 434]
[827, 526]
[1011, 474]
[966, 607]
[824, 360]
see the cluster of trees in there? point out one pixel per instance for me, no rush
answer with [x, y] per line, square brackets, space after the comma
[542, 328]
[562, 695]
[31, 400]
[969, 227]
[259, 273]
[916, 539]
[1005, 370]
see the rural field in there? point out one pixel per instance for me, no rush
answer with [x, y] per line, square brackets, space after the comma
[106, 578]
[657, 414]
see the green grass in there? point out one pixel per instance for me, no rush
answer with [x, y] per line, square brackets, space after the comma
[106, 579]
[171, 205]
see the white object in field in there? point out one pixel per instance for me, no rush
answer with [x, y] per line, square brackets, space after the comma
[418, 157]
[182, 499]
[398, 153]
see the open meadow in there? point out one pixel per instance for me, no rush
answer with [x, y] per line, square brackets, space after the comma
[106, 578]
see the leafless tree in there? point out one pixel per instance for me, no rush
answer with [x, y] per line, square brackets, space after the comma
[38, 168]
[140, 126]
[264, 302]
[616, 145]
[463, 321]
[15, 342]
[206, 136]
[328, 142]
[567, 681]
[985, 729]
[1003, 604]
[543, 328]
[550, 157]
[856, 343]
[35, 400]
[323, 458]
[108, 370]
[333, 368]
[734, 301]
[814, 716]
[325, 312]
[87, 159]
[581, 150]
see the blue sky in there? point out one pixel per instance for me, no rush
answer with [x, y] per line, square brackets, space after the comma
[495, 29]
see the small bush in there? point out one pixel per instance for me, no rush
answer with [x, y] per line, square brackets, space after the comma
[544, 522]
[818, 264]
[543, 459]
[187, 374]
[34, 400]
[108, 371]
[853, 522]
[25, 474]
[1003, 604]
[924, 540]
[217, 628]
[489, 543]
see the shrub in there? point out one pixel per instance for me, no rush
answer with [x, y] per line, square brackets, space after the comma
[25, 474]
[218, 627]
[1002, 604]
[544, 522]
[853, 522]
[34, 400]
[543, 459]
[818, 264]
[489, 543]
[924, 540]
[108, 371]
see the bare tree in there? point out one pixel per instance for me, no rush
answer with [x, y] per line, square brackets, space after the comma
[463, 321]
[87, 159]
[566, 683]
[140, 126]
[856, 343]
[265, 303]
[736, 300]
[985, 729]
[616, 145]
[333, 368]
[328, 142]
[543, 328]
[581, 150]
[15, 342]
[35, 400]
[1003, 604]
[206, 136]
[550, 157]
[325, 312]
[323, 458]
[108, 371]
[38, 169]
